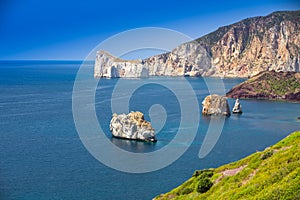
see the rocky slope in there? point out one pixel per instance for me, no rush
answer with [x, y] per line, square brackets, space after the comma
[269, 85]
[256, 44]
[132, 126]
[271, 174]
[242, 49]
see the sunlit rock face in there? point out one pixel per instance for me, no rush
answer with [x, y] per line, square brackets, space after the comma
[256, 44]
[242, 49]
[188, 59]
[215, 105]
[132, 126]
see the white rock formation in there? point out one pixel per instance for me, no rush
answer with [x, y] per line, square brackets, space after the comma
[189, 59]
[237, 107]
[215, 105]
[132, 126]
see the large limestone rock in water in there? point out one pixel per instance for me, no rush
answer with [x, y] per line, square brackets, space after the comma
[132, 126]
[215, 105]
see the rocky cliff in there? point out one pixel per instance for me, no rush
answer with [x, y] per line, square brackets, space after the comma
[242, 49]
[269, 85]
[256, 44]
[188, 59]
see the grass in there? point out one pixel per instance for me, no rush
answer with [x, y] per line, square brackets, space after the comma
[271, 174]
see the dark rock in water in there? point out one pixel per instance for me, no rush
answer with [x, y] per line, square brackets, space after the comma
[215, 105]
[132, 126]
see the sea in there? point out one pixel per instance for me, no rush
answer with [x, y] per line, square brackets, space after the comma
[42, 155]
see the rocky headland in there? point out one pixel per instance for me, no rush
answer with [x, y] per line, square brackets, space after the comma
[269, 85]
[242, 49]
[189, 59]
[132, 126]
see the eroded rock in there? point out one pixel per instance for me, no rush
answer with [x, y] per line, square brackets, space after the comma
[237, 108]
[132, 126]
[215, 105]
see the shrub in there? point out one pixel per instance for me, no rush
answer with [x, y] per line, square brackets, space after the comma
[204, 172]
[267, 155]
[204, 185]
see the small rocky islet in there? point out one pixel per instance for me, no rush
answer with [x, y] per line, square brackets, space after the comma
[215, 105]
[132, 126]
[237, 108]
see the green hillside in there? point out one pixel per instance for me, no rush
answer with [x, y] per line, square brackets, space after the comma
[269, 85]
[271, 174]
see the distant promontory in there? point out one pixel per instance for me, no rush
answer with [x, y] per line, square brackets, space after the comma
[242, 49]
[269, 85]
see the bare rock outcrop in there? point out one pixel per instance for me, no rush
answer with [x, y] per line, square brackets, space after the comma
[215, 105]
[256, 44]
[237, 108]
[132, 126]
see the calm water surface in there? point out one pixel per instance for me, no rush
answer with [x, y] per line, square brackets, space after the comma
[42, 157]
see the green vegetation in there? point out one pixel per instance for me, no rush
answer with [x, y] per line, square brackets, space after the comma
[269, 85]
[204, 184]
[271, 174]
[267, 155]
[277, 83]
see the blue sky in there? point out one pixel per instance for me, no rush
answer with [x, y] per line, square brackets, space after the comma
[69, 30]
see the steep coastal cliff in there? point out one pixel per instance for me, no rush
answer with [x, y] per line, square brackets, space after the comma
[188, 59]
[256, 44]
[242, 49]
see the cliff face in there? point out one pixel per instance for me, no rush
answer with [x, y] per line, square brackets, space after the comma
[242, 49]
[256, 44]
[188, 59]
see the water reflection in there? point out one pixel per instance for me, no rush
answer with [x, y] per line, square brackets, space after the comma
[134, 145]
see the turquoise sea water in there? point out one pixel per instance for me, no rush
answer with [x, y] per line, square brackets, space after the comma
[42, 156]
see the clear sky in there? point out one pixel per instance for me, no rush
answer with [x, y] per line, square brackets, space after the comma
[69, 30]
